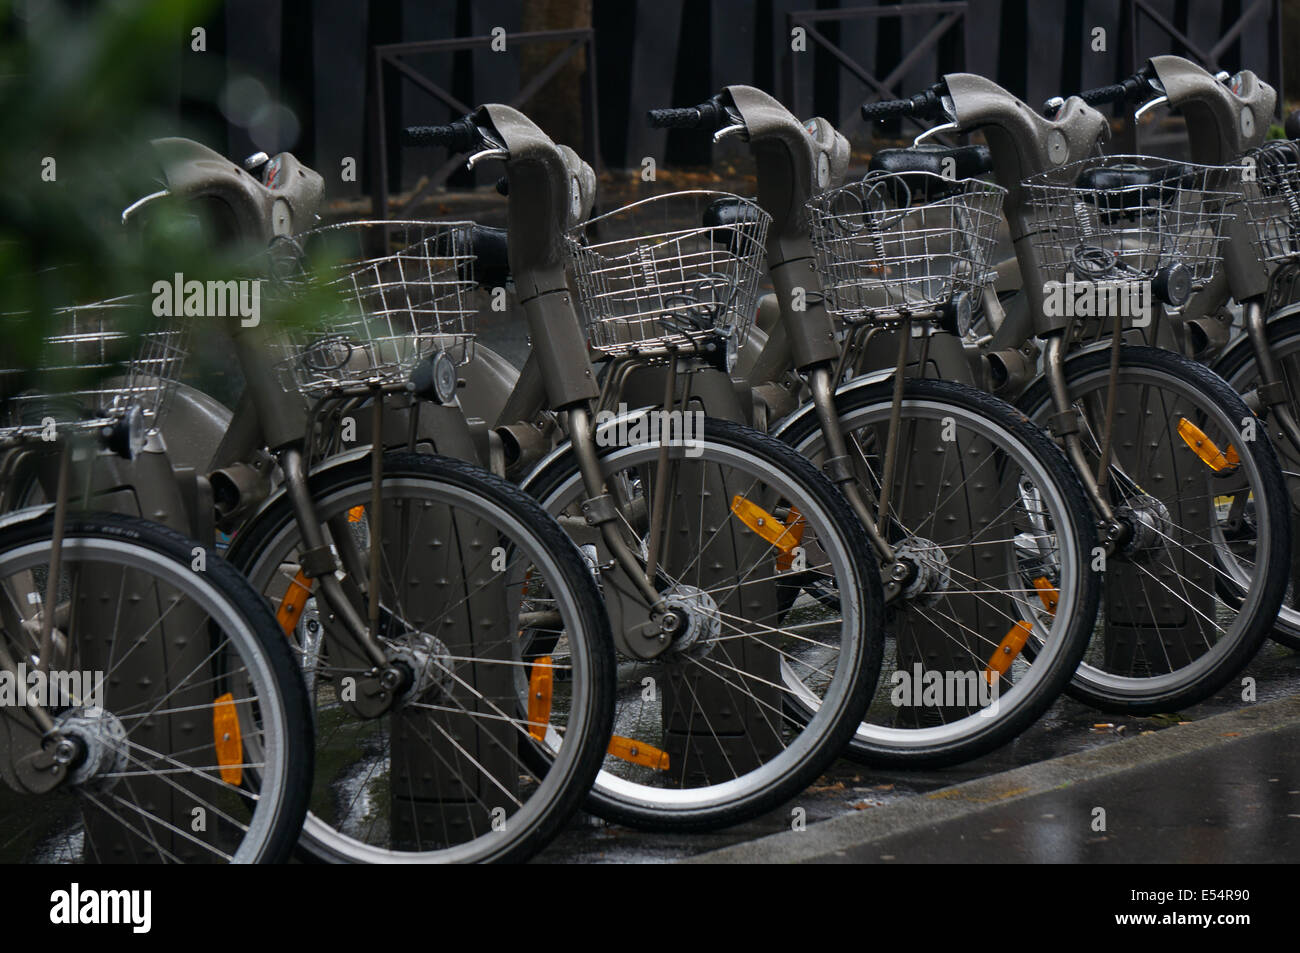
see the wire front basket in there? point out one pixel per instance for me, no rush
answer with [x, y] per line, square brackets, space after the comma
[904, 244]
[1124, 220]
[400, 292]
[674, 270]
[1271, 199]
[103, 361]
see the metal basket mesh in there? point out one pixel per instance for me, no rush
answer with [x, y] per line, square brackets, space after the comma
[403, 291]
[103, 360]
[1121, 219]
[671, 270]
[898, 244]
[1271, 199]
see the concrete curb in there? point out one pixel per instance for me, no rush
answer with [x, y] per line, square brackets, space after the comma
[827, 840]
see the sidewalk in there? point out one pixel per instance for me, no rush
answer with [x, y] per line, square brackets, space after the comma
[1222, 790]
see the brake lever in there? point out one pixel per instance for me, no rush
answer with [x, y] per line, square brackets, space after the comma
[142, 202]
[933, 131]
[1147, 106]
[493, 153]
[732, 130]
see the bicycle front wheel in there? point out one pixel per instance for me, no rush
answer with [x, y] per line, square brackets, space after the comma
[994, 536]
[495, 615]
[185, 716]
[1237, 366]
[1199, 572]
[779, 596]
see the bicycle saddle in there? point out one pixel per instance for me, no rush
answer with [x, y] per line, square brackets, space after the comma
[724, 214]
[960, 162]
[1118, 188]
[1106, 178]
[491, 255]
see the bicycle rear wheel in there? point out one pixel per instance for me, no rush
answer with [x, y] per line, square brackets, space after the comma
[178, 692]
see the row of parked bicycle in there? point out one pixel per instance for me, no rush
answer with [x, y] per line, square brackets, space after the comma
[890, 510]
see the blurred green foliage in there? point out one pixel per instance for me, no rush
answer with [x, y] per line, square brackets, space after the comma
[82, 91]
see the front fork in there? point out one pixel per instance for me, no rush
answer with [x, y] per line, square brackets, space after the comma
[1065, 425]
[39, 760]
[378, 688]
[1272, 389]
[872, 513]
[600, 509]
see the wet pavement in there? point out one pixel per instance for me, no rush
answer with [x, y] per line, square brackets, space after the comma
[1233, 802]
[1231, 805]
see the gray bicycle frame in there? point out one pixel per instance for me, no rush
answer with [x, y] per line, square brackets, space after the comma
[1222, 125]
[1023, 143]
[550, 187]
[269, 417]
[790, 161]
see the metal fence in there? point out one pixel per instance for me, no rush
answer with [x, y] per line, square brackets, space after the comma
[319, 58]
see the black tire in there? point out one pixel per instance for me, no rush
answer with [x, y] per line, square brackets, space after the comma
[856, 671]
[448, 476]
[290, 695]
[1202, 676]
[1237, 366]
[876, 746]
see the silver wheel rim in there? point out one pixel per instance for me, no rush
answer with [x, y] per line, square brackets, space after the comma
[790, 759]
[1021, 692]
[272, 769]
[330, 839]
[1089, 676]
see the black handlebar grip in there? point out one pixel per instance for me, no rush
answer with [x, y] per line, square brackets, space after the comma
[708, 116]
[459, 136]
[687, 118]
[888, 108]
[1105, 94]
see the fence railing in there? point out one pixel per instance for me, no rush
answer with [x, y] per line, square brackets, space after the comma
[393, 57]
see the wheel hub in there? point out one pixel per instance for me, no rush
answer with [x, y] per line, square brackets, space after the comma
[931, 574]
[1149, 525]
[430, 663]
[103, 743]
[699, 621]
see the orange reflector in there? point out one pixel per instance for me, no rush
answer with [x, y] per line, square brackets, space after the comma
[1007, 651]
[783, 537]
[626, 749]
[540, 687]
[1205, 448]
[295, 598]
[227, 740]
[796, 524]
[356, 514]
[1047, 592]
